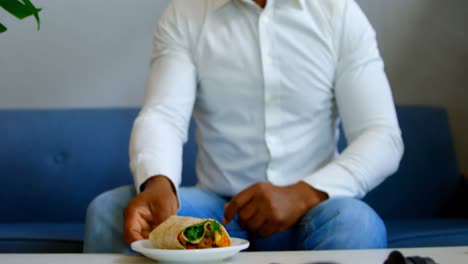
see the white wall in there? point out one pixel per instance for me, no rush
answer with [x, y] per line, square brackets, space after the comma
[88, 53]
[425, 46]
[94, 53]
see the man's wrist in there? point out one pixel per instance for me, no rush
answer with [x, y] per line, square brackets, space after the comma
[309, 195]
[157, 180]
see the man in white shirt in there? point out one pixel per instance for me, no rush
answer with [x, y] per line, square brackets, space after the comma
[268, 83]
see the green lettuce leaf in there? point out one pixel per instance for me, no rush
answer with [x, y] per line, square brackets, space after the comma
[194, 232]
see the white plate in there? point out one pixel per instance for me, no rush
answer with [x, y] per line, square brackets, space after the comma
[193, 255]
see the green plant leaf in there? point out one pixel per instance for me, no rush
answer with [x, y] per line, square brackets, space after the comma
[21, 9]
[2, 28]
[35, 11]
[16, 8]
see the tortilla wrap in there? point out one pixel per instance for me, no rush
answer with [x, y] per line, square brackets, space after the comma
[165, 236]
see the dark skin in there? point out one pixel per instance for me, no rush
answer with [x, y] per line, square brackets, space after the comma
[263, 208]
[149, 208]
[261, 3]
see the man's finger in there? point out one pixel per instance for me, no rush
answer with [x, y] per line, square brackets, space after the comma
[145, 233]
[132, 226]
[267, 229]
[247, 212]
[145, 214]
[231, 208]
[133, 236]
[256, 222]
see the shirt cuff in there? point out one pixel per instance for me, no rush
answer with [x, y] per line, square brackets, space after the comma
[145, 168]
[335, 181]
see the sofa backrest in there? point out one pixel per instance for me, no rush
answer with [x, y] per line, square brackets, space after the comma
[428, 175]
[54, 162]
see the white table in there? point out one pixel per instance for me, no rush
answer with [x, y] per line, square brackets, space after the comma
[442, 255]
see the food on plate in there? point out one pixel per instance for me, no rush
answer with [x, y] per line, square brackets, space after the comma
[179, 232]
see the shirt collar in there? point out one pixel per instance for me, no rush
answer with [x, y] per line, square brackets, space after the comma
[295, 3]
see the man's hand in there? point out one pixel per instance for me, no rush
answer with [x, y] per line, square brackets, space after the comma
[265, 208]
[149, 208]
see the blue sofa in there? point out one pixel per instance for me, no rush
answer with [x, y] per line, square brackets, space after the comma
[53, 162]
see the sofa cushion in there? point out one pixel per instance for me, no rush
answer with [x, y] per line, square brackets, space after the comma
[427, 232]
[41, 237]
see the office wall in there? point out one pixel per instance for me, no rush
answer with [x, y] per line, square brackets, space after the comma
[94, 53]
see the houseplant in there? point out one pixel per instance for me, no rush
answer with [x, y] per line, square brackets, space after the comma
[20, 9]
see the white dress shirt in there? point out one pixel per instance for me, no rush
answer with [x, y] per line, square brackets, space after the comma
[267, 88]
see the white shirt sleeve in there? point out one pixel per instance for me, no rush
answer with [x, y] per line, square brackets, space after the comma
[160, 129]
[366, 107]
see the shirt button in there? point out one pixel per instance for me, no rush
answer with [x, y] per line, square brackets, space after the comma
[266, 19]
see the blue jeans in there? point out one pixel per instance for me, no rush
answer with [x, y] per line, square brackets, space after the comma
[339, 223]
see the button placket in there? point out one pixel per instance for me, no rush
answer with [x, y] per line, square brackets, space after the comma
[267, 64]
[271, 82]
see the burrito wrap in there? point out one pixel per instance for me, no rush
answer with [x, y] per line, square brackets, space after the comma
[165, 235]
